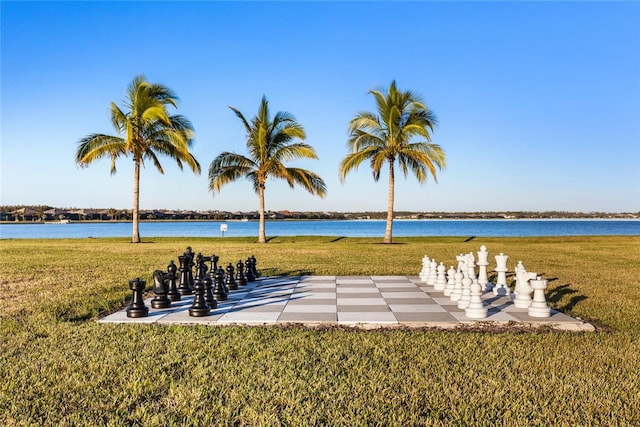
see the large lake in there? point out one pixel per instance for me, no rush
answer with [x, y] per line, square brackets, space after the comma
[346, 228]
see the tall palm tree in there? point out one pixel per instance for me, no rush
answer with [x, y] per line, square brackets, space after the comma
[270, 143]
[148, 130]
[390, 136]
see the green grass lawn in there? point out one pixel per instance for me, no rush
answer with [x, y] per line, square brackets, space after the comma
[59, 367]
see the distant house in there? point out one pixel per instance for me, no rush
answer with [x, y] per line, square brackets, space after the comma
[26, 214]
[88, 215]
[55, 214]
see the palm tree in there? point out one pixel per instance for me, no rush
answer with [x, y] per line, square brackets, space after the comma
[270, 143]
[148, 130]
[389, 136]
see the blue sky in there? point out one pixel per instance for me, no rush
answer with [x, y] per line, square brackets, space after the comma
[538, 102]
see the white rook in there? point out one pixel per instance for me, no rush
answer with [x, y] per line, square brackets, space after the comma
[539, 307]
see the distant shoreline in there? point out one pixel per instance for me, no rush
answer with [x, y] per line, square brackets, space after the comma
[470, 218]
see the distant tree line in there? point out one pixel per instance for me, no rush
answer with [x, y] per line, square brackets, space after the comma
[44, 213]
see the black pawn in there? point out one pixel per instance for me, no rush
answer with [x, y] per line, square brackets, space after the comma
[137, 307]
[208, 294]
[199, 307]
[230, 278]
[219, 291]
[173, 294]
[241, 279]
[160, 289]
[249, 273]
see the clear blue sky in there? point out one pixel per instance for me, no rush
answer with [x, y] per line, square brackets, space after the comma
[538, 102]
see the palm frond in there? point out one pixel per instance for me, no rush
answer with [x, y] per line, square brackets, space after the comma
[376, 163]
[97, 146]
[308, 180]
[244, 121]
[228, 167]
[156, 113]
[118, 118]
[295, 151]
[353, 160]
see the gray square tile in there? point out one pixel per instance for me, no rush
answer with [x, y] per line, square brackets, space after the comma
[363, 308]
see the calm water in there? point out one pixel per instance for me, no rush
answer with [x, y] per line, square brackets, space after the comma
[346, 228]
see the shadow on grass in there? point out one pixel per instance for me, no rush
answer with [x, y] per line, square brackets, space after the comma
[470, 238]
[270, 272]
[559, 293]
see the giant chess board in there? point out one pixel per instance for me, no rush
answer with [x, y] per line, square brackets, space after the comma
[363, 301]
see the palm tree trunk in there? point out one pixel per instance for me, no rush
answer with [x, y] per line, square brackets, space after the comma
[387, 233]
[261, 234]
[135, 238]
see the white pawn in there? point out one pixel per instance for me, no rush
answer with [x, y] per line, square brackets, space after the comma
[463, 302]
[475, 309]
[483, 262]
[451, 281]
[457, 287]
[441, 280]
[433, 272]
[424, 272]
[539, 307]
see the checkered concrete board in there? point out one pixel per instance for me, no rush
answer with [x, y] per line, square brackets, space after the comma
[345, 300]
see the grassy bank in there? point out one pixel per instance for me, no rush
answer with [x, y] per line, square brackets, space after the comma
[58, 366]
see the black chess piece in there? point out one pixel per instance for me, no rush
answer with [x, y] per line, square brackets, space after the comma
[214, 262]
[249, 272]
[201, 267]
[208, 294]
[224, 280]
[191, 256]
[199, 307]
[137, 307]
[173, 293]
[219, 291]
[254, 268]
[184, 287]
[230, 278]
[241, 279]
[160, 289]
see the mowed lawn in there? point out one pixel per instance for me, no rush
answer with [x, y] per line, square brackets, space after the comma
[59, 367]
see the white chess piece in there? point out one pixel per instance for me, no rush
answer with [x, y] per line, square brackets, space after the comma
[462, 259]
[483, 262]
[433, 272]
[519, 267]
[475, 309]
[523, 290]
[501, 287]
[457, 287]
[539, 307]
[465, 297]
[424, 272]
[451, 281]
[471, 266]
[441, 280]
